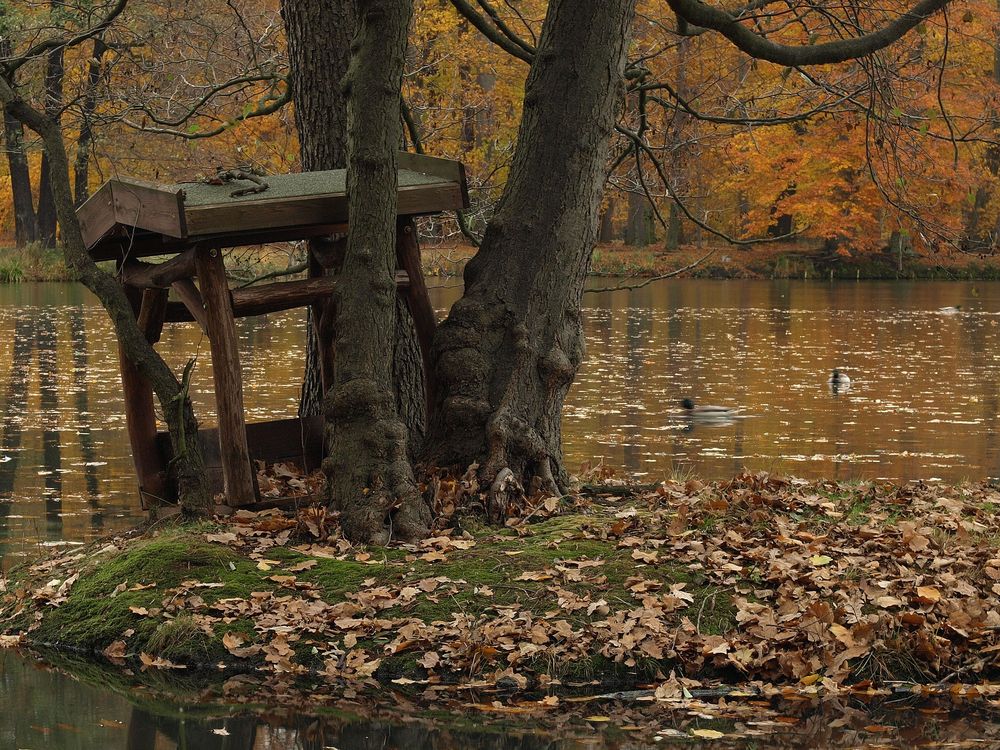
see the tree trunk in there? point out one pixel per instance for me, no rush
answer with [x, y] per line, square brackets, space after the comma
[511, 346]
[675, 229]
[85, 140]
[639, 227]
[607, 232]
[25, 229]
[368, 465]
[46, 215]
[319, 42]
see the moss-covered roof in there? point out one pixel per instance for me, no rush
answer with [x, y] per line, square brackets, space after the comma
[301, 184]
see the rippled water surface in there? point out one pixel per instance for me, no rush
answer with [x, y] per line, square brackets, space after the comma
[924, 401]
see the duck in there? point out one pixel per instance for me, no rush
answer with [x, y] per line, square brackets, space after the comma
[707, 411]
[950, 310]
[838, 379]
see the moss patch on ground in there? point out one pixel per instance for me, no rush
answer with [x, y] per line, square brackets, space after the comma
[758, 578]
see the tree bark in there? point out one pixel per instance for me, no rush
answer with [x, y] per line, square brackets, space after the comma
[55, 70]
[319, 38]
[85, 140]
[368, 465]
[25, 228]
[511, 346]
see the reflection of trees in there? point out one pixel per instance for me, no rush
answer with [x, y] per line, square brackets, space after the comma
[78, 339]
[146, 730]
[48, 384]
[14, 407]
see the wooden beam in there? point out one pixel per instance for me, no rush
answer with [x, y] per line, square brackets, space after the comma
[149, 205]
[446, 169]
[269, 298]
[158, 275]
[190, 302]
[140, 415]
[417, 299]
[237, 471]
[274, 213]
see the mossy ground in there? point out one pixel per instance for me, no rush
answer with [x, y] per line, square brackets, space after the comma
[125, 589]
[686, 577]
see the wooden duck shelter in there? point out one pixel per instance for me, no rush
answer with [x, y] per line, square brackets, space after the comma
[127, 219]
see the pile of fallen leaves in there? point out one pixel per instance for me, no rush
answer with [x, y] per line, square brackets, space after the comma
[823, 586]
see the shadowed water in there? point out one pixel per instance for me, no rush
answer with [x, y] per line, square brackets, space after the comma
[924, 400]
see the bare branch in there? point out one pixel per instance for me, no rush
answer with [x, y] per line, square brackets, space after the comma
[756, 45]
[9, 67]
[490, 31]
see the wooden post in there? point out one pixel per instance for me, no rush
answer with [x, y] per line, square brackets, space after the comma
[417, 299]
[140, 416]
[237, 472]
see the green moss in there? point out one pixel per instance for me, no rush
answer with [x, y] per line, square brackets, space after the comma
[181, 640]
[94, 615]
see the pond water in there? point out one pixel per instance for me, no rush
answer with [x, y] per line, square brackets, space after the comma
[48, 709]
[924, 404]
[924, 401]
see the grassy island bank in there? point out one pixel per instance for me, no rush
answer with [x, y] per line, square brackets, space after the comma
[761, 580]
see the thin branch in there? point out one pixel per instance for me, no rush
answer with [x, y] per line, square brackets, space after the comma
[290, 271]
[504, 28]
[651, 279]
[756, 45]
[685, 210]
[49, 45]
[490, 31]
[272, 106]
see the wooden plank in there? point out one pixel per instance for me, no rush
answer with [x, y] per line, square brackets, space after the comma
[237, 472]
[140, 415]
[270, 298]
[298, 211]
[417, 299]
[156, 208]
[191, 303]
[446, 169]
[276, 441]
[97, 215]
[160, 275]
[117, 246]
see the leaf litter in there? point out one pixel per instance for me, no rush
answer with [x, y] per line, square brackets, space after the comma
[827, 590]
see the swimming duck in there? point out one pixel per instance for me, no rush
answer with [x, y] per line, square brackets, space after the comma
[950, 310]
[707, 411]
[839, 380]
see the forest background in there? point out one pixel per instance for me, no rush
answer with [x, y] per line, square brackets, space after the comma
[888, 156]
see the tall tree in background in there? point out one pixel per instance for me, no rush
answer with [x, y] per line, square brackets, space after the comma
[319, 38]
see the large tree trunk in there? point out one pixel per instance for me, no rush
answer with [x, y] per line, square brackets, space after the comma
[511, 346]
[368, 466]
[319, 38]
[319, 42]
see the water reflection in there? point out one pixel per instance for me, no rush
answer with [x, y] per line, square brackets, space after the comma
[924, 401]
[88, 707]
